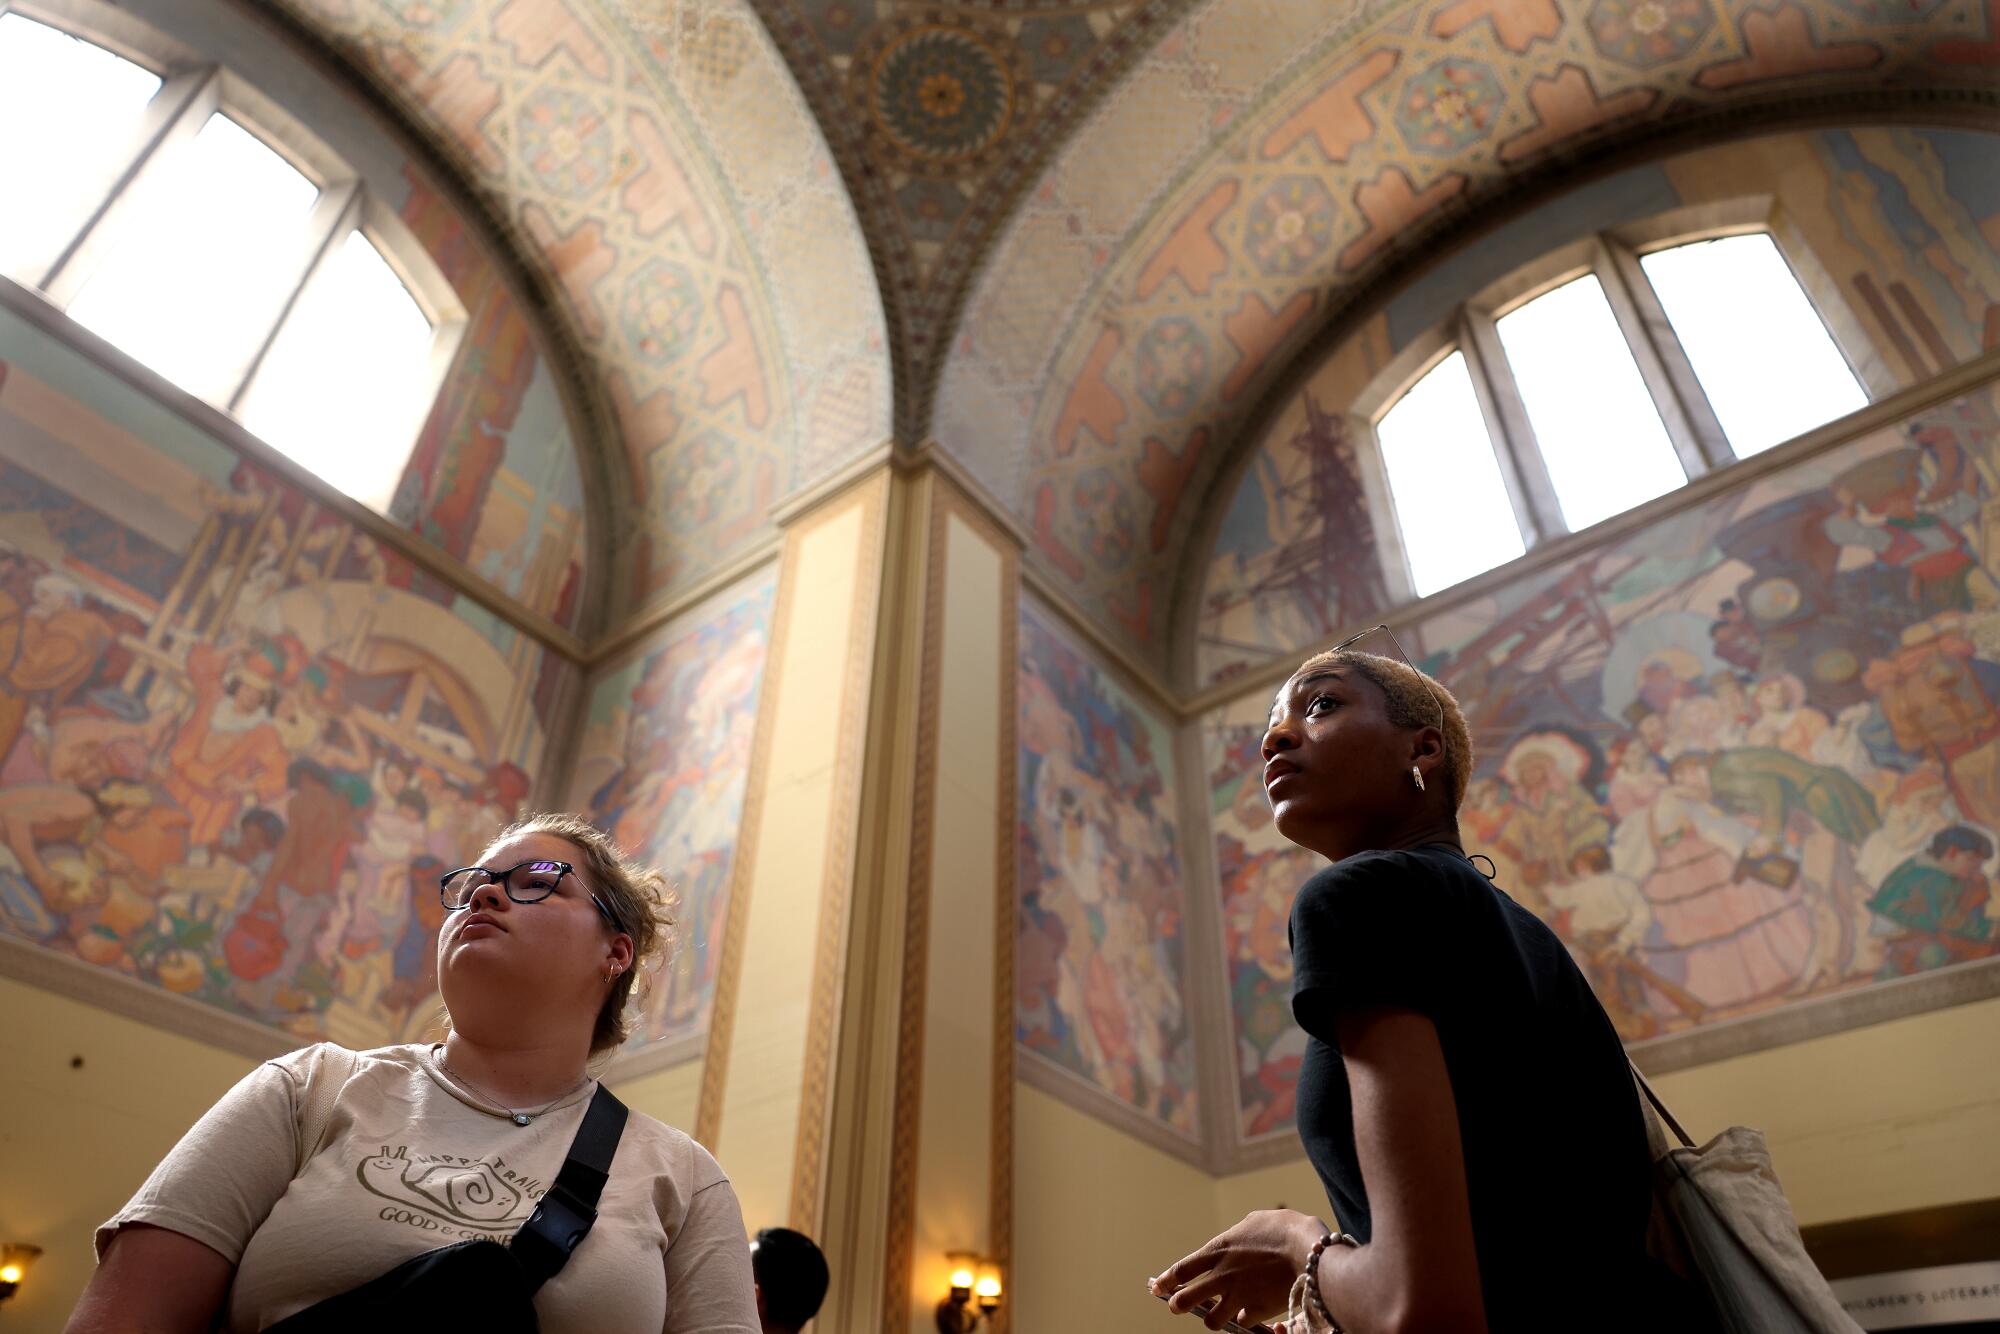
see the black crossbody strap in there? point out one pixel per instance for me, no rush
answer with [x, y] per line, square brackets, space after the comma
[564, 1215]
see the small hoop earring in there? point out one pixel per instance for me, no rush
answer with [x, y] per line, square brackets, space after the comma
[1418, 775]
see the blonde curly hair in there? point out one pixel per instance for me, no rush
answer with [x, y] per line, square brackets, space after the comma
[637, 894]
[1410, 703]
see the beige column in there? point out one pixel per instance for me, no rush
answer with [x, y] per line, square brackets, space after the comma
[766, 1076]
[858, 1083]
[920, 1159]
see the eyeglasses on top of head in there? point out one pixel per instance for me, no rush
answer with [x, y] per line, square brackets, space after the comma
[528, 882]
[1422, 679]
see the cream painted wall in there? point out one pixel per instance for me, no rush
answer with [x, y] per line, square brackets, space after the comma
[1095, 1214]
[1291, 1185]
[669, 1095]
[76, 1143]
[1902, 1115]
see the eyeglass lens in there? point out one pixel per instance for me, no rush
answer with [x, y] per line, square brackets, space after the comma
[530, 882]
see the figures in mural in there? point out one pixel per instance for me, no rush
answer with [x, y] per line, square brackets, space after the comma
[1936, 904]
[662, 768]
[1101, 989]
[220, 752]
[1765, 766]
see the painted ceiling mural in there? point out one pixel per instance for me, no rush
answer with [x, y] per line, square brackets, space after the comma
[1262, 163]
[665, 173]
[1903, 222]
[941, 117]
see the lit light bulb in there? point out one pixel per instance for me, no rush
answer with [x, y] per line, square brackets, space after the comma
[10, 1274]
[988, 1287]
[961, 1277]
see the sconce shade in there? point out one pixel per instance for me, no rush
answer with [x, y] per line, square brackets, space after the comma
[15, 1260]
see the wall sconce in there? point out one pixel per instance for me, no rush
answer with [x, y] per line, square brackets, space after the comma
[15, 1261]
[974, 1294]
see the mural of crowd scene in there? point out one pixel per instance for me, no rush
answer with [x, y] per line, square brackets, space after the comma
[239, 740]
[1746, 756]
[1258, 872]
[493, 477]
[1101, 967]
[663, 764]
[1904, 221]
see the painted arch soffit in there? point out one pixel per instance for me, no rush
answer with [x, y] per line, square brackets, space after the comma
[660, 170]
[942, 115]
[1266, 164]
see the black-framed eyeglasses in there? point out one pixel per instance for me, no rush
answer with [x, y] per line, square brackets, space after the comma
[529, 882]
[1421, 678]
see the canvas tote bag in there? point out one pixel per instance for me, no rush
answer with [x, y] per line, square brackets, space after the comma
[1726, 1214]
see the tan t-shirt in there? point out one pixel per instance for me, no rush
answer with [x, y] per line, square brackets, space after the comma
[412, 1161]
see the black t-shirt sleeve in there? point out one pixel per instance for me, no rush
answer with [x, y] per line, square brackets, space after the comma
[1368, 932]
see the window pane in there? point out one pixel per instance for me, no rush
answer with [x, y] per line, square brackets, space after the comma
[1763, 356]
[204, 260]
[1600, 435]
[84, 105]
[1451, 504]
[354, 325]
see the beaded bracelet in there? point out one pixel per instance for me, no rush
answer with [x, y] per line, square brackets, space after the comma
[1313, 1297]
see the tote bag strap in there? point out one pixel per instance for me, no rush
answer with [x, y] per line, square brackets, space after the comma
[330, 1074]
[564, 1215]
[1660, 1107]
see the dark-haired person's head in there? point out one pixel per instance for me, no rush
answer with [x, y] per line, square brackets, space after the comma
[791, 1278]
[1961, 849]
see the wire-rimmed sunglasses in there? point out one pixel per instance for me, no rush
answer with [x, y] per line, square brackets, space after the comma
[1351, 640]
[529, 882]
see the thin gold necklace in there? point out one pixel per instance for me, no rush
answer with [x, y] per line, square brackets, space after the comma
[519, 1118]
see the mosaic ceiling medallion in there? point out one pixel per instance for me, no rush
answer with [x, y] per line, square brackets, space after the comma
[938, 94]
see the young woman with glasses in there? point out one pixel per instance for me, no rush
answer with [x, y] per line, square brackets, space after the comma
[243, 1224]
[1462, 1096]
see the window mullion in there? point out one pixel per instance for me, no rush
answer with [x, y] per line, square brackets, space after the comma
[174, 116]
[1529, 486]
[1691, 423]
[335, 213]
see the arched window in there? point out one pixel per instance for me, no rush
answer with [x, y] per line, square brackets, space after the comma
[183, 217]
[1594, 380]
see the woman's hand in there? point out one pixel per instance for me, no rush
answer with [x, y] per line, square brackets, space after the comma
[1251, 1267]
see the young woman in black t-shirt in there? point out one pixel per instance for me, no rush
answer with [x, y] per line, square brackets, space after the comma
[1463, 1096]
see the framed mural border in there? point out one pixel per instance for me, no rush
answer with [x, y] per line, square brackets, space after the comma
[1863, 1005]
[129, 998]
[1066, 1086]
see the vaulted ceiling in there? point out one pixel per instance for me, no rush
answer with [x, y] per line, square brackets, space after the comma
[1074, 243]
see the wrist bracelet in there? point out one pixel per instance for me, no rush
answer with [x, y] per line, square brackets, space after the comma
[1313, 1298]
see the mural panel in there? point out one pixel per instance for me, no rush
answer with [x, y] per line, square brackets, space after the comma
[663, 766]
[1257, 872]
[1745, 757]
[1101, 953]
[493, 476]
[239, 740]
